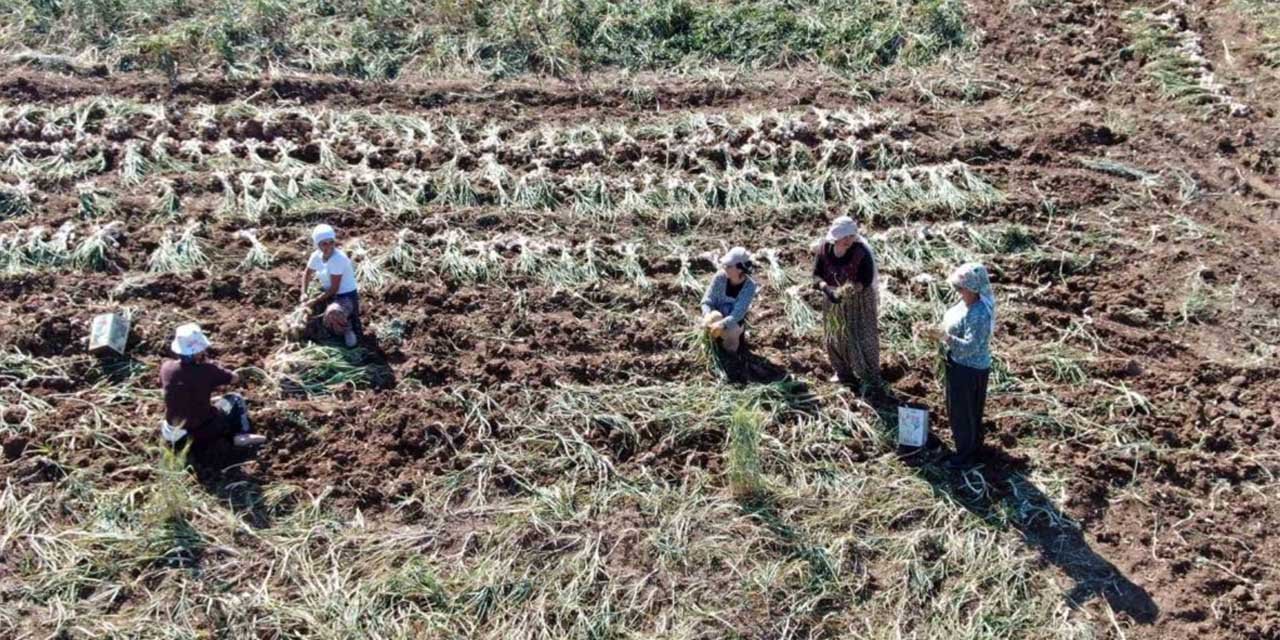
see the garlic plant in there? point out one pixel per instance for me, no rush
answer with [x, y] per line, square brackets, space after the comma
[802, 317]
[94, 203]
[134, 166]
[167, 204]
[403, 258]
[369, 271]
[631, 267]
[258, 257]
[457, 263]
[96, 250]
[178, 253]
[685, 277]
[15, 200]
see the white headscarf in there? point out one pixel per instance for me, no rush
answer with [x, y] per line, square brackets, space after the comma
[973, 276]
[843, 227]
[321, 233]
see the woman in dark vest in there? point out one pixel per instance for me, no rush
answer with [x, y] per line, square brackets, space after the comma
[844, 270]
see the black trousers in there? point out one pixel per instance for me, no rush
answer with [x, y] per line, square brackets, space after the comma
[966, 396]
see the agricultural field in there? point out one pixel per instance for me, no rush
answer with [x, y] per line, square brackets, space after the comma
[532, 440]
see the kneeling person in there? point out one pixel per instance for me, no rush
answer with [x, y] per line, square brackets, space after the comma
[338, 299]
[188, 383]
[727, 300]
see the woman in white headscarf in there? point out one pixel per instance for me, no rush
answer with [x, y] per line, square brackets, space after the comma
[844, 270]
[966, 332]
[338, 299]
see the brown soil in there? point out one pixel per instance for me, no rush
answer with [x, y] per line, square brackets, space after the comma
[1063, 88]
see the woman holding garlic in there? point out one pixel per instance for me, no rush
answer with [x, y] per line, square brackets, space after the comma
[844, 270]
[966, 332]
[728, 298]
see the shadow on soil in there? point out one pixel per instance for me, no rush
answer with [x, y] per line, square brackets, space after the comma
[1000, 493]
[747, 366]
[219, 469]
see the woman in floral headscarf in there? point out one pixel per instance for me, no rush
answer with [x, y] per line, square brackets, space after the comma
[966, 331]
[844, 270]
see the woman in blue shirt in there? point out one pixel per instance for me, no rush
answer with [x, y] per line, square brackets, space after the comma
[966, 332]
[727, 300]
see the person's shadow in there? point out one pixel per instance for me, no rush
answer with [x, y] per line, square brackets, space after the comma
[747, 366]
[1001, 493]
[219, 468]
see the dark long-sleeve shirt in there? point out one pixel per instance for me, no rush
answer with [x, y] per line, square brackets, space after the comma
[187, 390]
[855, 265]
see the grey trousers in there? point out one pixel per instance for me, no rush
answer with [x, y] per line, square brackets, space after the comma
[966, 396]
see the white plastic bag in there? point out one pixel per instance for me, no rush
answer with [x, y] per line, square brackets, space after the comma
[170, 433]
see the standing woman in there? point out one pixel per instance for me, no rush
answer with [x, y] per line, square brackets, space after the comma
[337, 277]
[844, 270]
[727, 300]
[966, 331]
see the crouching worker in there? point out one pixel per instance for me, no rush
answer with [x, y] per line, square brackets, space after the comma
[725, 305]
[338, 301]
[188, 384]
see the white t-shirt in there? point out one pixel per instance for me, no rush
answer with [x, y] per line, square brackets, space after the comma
[338, 264]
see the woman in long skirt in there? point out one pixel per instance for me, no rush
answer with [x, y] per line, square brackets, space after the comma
[844, 270]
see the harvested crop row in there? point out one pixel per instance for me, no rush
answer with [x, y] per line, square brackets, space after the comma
[1175, 62]
[296, 194]
[120, 120]
[835, 140]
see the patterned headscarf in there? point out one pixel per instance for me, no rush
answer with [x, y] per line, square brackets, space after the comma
[973, 276]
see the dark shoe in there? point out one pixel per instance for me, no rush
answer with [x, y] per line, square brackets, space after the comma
[734, 368]
[956, 463]
[934, 443]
